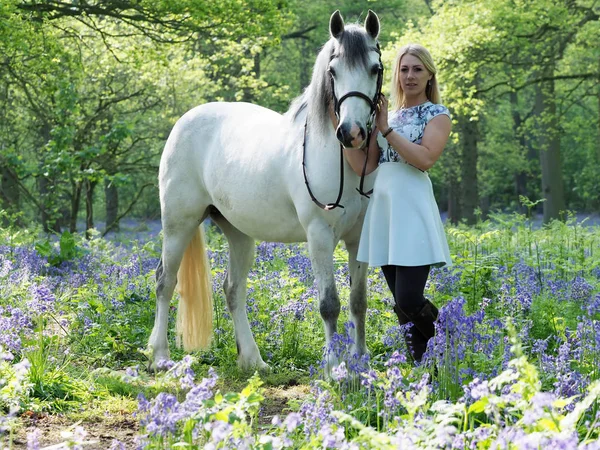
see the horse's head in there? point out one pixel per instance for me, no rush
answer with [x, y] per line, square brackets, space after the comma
[356, 74]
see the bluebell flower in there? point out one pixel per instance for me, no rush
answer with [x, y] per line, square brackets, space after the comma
[292, 421]
[33, 439]
[339, 372]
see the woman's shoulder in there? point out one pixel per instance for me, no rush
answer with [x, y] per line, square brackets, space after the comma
[432, 110]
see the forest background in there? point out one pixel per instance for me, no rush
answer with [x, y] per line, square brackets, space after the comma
[89, 91]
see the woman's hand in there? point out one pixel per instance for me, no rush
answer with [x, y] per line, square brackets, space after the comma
[381, 117]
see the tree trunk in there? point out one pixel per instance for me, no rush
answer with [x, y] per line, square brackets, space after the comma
[89, 206]
[9, 190]
[46, 189]
[522, 176]
[598, 139]
[453, 202]
[257, 66]
[470, 193]
[111, 195]
[549, 149]
[75, 200]
[50, 220]
[453, 184]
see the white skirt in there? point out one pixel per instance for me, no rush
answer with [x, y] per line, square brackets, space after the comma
[402, 225]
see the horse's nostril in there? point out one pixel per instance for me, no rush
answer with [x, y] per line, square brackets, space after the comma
[363, 133]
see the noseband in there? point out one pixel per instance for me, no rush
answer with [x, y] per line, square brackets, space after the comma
[336, 107]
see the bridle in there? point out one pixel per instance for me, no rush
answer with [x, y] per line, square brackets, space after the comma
[336, 107]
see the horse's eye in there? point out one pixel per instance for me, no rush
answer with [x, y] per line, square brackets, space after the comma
[332, 71]
[374, 70]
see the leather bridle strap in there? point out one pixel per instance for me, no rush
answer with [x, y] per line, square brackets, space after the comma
[328, 206]
[337, 103]
[373, 112]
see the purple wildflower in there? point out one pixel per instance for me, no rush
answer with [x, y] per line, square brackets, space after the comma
[117, 445]
[33, 439]
[43, 300]
[580, 289]
[292, 421]
[339, 373]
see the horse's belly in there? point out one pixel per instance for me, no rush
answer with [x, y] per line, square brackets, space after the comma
[276, 218]
[274, 221]
[282, 229]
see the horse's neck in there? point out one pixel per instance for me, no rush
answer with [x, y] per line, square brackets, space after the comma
[323, 146]
[321, 132]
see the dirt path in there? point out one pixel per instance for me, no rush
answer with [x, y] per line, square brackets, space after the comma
[278, 401]
[102, 430]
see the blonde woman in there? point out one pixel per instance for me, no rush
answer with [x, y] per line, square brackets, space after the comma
[402, 232]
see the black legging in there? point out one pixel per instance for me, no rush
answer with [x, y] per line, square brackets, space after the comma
[407, 284]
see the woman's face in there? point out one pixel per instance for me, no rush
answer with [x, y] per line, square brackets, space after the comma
[413, 75]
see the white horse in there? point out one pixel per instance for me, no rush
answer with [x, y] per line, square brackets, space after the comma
[242, 166]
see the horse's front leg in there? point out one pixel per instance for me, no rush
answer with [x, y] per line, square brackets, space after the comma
[358, 297]
[321, 243]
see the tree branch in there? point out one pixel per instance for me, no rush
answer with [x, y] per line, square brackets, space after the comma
[30, 196]
[300, 34]
[150, 22]
[428, 4]
[582, 76]
[129, 208]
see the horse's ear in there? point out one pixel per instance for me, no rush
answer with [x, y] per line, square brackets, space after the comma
[372, 24]
[336, 25]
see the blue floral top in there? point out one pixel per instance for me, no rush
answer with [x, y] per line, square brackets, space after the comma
[410, 123]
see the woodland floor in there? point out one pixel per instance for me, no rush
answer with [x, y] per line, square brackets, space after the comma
[122, 425]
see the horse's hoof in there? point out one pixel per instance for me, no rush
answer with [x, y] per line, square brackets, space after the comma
[253, 366]
[157, 365]
[264, 369]
[151, 368]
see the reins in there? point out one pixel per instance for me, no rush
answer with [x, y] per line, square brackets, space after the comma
[337, 104]
[328, 206]
[377, 95]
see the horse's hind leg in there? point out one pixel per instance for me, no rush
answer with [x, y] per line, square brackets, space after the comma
[176, 236]
[241, 257]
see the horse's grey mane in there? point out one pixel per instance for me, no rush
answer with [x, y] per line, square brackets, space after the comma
[353, 46]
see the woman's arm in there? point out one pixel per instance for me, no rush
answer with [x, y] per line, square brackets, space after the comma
[423, 156]
[356, 158]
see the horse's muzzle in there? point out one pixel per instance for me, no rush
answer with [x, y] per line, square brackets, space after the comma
[351, 136]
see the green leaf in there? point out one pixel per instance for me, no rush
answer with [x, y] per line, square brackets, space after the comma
[478, 406]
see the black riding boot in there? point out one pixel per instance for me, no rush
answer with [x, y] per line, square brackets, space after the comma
[422, 328]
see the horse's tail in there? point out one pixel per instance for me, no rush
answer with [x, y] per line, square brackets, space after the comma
[195, 312]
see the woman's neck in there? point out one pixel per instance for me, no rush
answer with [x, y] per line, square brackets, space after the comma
[409, 102]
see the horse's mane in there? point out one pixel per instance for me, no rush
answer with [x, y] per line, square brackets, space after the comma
[353, 46]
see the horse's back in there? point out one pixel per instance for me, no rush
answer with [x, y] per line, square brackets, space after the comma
[242, 159]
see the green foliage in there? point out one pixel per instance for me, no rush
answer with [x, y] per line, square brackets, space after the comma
[68, 249]
[86, 102]
[512, 399]
[84, 347]
[53, 387]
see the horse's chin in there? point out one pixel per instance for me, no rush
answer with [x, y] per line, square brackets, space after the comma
[359, 147]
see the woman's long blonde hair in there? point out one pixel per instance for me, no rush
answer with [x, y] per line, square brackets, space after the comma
[432, 90]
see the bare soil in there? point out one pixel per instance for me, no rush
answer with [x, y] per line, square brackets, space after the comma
[101, 431]
[278, 401]
[123, 426]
